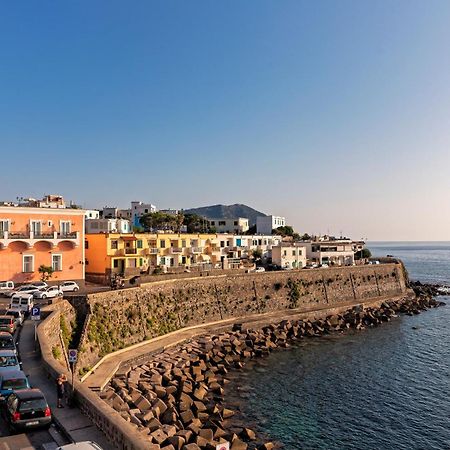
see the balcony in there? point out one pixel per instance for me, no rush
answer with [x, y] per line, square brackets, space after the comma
[175, 250]
[196, 250]
[131, 251]
[151, 251]
[30, 238]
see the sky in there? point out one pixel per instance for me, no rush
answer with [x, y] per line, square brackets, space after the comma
[334, 114]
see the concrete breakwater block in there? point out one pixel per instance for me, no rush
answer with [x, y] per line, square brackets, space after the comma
[177, 399]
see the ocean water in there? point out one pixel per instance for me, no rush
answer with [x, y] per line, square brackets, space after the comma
[381, 388]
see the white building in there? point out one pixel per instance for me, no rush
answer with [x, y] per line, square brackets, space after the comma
[108, 226]
[138, 209]
[265, 224]
[237, 225]
[338, 252]
[91, 214]
[289, 255]
[242, 246]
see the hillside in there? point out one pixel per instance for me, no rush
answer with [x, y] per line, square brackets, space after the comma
[227, 212]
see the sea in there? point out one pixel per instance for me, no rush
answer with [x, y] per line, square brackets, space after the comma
[381, 388]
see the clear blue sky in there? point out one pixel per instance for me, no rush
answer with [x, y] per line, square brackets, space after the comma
[335, 114]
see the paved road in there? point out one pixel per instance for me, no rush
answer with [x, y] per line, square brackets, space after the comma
[38, 439]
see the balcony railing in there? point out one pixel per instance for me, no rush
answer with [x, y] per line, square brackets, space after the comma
[196, 249]
[131, 251]
[30, 237]
[151, 251]
[176, 250]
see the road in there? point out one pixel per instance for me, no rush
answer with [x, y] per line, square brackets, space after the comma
[38, 439]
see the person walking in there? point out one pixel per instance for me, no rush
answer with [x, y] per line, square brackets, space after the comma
[60, 390]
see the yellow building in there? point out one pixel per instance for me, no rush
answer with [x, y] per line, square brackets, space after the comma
[131, 254]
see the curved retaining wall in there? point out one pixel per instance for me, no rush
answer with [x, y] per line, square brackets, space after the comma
[158, 308]
[123, 318]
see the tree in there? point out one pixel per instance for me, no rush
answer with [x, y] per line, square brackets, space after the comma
[364, 253]
[305, 237]
[46, 272]
[284, 231]
[257, 253]
[197, 224]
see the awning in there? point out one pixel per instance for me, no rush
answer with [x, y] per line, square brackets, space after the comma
[129, 238]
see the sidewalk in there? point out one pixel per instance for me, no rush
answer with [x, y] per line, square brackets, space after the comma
[107, 367]
[72, 422]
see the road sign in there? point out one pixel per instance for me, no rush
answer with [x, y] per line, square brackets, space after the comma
[73, 355]
[35, 313]
[223, 446]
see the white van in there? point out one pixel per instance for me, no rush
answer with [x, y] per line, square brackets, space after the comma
[22, 302]
[6, 286]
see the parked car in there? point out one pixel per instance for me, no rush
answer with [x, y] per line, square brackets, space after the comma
[6, 286]
[22, 302]
[7, 341]
[324, 266]
[27, 409]
[49, 292]
[69, 286]
[9, 360]
[8, 323]
[12, 380]
[28, 289]
[17, 314]
[85, 445]
[39, 284]
[260, 269]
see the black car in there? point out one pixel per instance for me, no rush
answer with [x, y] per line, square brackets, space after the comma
[7, 341]
[27, 409]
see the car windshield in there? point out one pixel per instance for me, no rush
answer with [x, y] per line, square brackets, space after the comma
[5, 320]
[32, 404]
[6, 342]
[12, 313]
[15, 384]
[6, 361]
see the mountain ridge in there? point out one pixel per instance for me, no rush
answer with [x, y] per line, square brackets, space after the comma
[220, 211]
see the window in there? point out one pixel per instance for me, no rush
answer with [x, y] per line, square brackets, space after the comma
[86, 244]
[114, 245]
[222, 244]
[139, 243]
[213, 223]
[285, 252]
[57, 263]
[183, 260]
[28, 263]
[115, 263]
[64, 227]
[162, 244]
[299, 253]
[183, 243]
[222, 222]
[293, 252]
[146, 211]
[4, 226]
[235, 223]
[140, 262]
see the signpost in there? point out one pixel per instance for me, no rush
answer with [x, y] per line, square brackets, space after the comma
[35, 316]
[72, 357]
[223, 446]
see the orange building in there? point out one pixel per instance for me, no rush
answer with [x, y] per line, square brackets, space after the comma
[31, 237]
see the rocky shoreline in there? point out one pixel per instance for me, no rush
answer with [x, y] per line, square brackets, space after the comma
[177, 399]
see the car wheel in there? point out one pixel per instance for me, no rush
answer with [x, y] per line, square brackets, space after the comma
[44, 296]
[75, 289]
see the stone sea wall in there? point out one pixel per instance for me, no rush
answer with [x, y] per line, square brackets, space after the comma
[122, 318]
[176, 400]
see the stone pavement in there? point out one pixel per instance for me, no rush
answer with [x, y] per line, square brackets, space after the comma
[106, 368]
[71, 421]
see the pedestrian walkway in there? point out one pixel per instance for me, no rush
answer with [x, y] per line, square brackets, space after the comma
[106, 368]
[72, 422]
